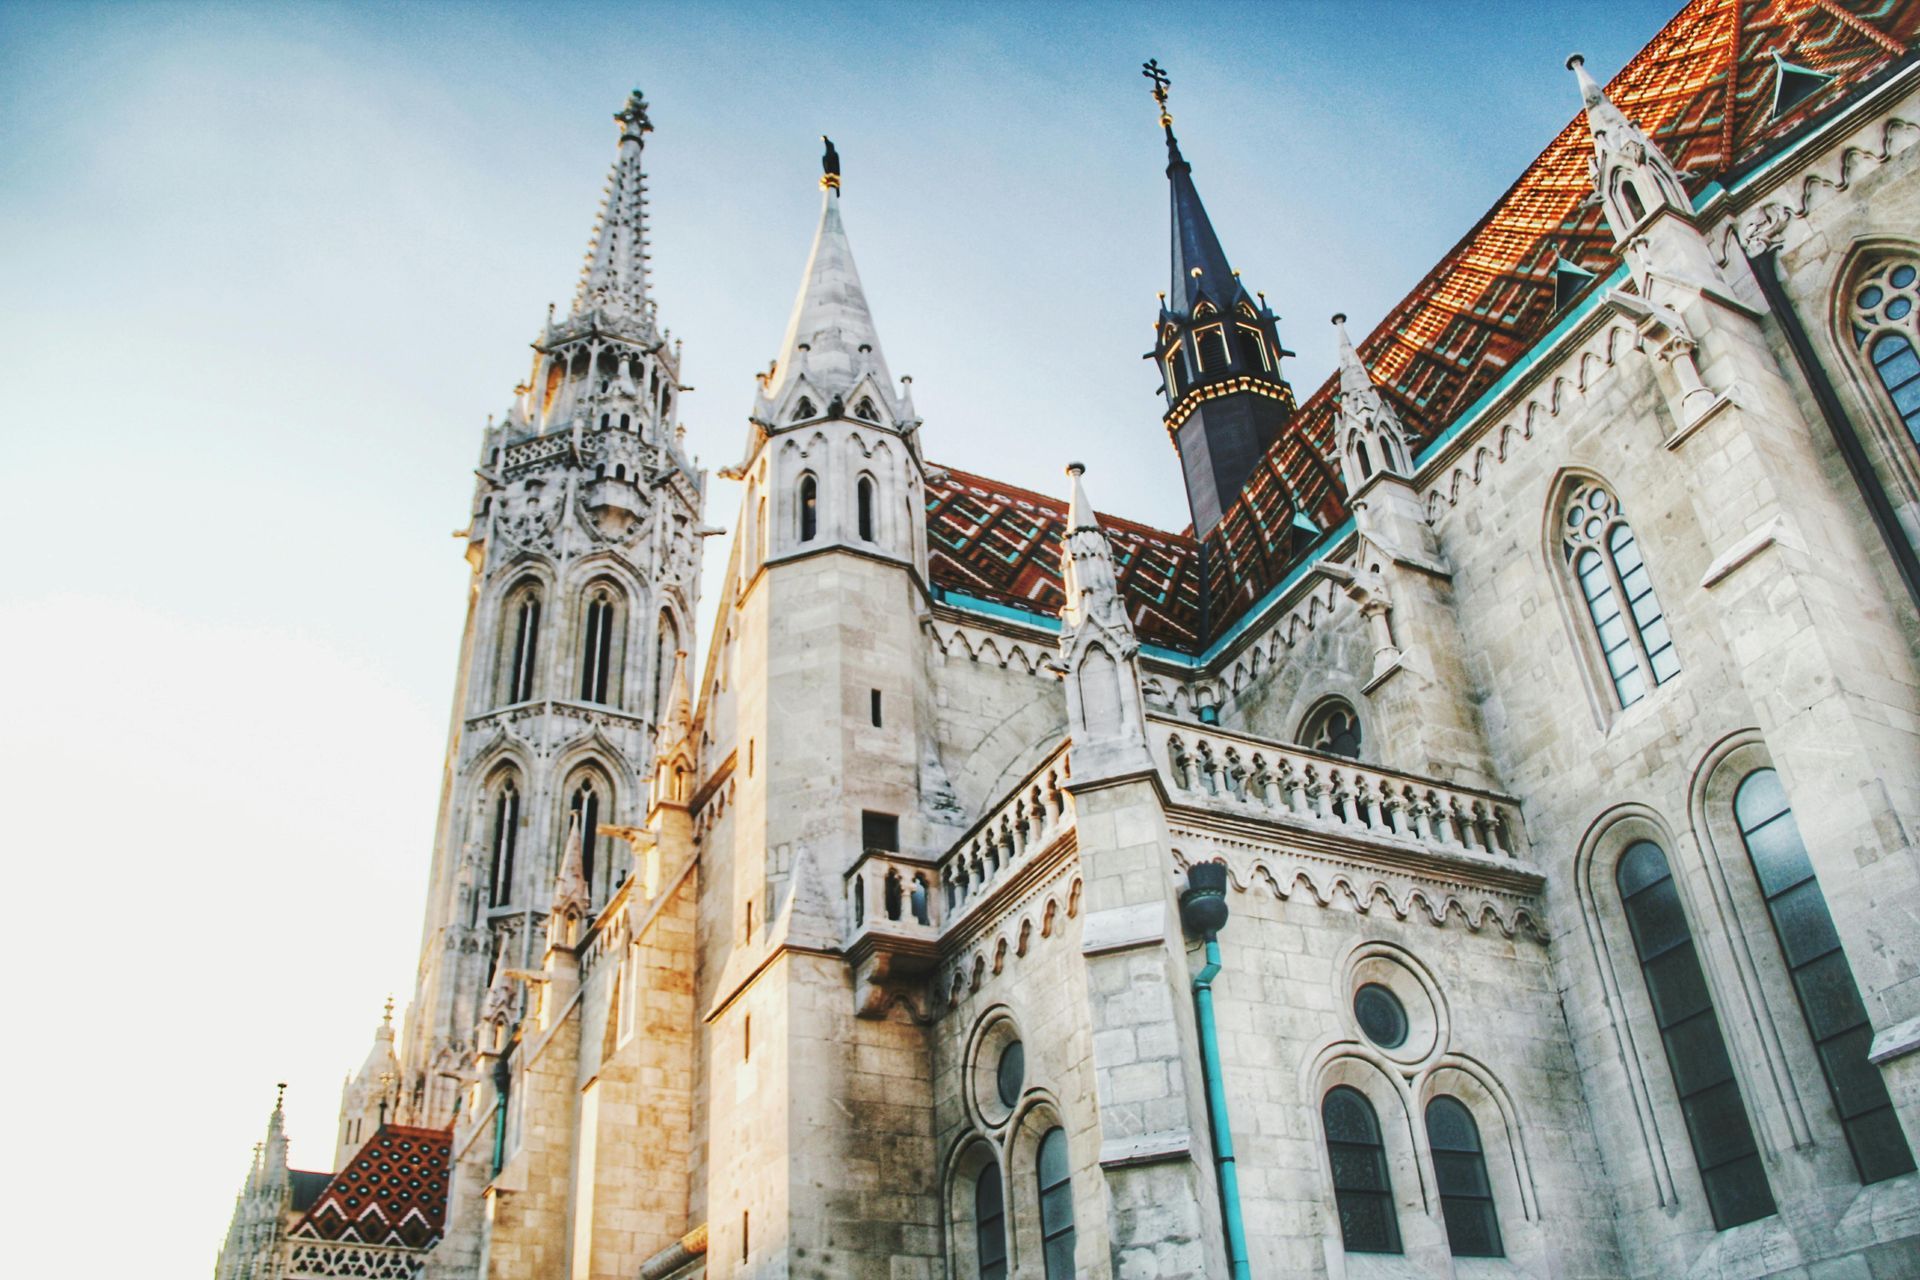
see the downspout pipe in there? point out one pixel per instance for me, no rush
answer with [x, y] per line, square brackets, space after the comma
[1203, 910]
[503, 1089]
[1766, 272]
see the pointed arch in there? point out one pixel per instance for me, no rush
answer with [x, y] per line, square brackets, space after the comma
[1606, 589]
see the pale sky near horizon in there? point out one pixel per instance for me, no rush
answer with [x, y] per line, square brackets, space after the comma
[266, 270]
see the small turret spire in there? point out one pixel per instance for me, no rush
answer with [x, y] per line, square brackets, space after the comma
[570, 893]
[1633, 178]
[1372, 440]
[614, 279]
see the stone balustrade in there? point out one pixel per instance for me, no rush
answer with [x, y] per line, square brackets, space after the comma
[892, 895]
[1035, 814]
[1255, 777]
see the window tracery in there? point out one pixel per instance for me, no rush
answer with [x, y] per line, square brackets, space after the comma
[1333, 729]
[502, 839]
[1617, 592]
[523, 641]
[598, 656]
[1886, 328]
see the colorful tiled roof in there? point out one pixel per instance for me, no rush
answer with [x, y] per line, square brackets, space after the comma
[1001, 543]
[394, 1191]
[1703, 88]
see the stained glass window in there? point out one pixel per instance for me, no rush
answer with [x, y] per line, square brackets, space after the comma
[1362, 1191]
[1604, 555]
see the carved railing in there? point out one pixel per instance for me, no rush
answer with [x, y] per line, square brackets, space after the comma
[326, 1259]
[1035, 815]
[892, 895]
[1273, 780]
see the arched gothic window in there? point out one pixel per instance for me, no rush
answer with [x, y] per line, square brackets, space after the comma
[804, 410]
[864, 497]
[598, 657]
[1460, 1175]
[586, 804]
[1612, 580]
[990, 1222]
[1716, 1116]
[505, 834]
[866, 410]
[1056, 1205]
[809, 508]
[523, 642]
[666, 643]
[1886, 325]
[762, 534]
[1333, 729]
[1829, 997]
[1362, 1191]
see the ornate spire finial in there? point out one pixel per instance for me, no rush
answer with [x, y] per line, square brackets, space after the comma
[633, 117]
[279, 1094]
[1153, 71]
[387, 1017]
[829, 165]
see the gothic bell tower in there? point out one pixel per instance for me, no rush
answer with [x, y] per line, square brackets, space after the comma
[584, 540]
[1217, 348]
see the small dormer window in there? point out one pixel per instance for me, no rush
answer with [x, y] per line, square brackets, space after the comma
[803, 410]
[1793, 84]
[866, 410]
[1630, 197]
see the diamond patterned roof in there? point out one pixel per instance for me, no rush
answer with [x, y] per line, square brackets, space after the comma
[1703, 89]
[394, 1191]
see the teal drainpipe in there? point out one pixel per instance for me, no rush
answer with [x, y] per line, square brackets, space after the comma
[502, 1088]
[1203, 909]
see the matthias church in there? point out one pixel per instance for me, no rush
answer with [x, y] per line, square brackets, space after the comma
[1485, 842]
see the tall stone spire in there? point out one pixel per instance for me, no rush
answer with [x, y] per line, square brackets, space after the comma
[614, 278]
[370, 1096]
[1217, 348]
[831, 353]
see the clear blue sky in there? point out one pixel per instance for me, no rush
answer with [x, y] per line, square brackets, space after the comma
[265, 271]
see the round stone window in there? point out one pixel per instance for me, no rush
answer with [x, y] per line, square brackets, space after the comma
[1380, 1015]
[1011, 1073]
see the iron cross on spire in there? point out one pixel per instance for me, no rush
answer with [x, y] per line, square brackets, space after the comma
[1153, 71]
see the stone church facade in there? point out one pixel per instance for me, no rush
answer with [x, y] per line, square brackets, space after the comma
[1482, 844]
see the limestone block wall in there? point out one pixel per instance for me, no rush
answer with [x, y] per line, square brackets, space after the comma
[995, 717]
[1485, 1026]
[1784, 640]
[1034, 990]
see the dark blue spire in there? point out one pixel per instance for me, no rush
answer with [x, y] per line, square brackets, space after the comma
[1195, 246]
[1217, 350]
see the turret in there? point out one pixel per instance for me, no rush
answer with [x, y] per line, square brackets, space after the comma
[1217, 348]
[370, 1096]
[1106, 713]
[1632, 177]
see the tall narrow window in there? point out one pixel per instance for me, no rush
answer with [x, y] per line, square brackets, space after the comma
[1212, 344]
[1612, 579]
[666, 643]
[873, 706]
[585, 805]
[1716, 1117]
[1630, 196]
[1886, 325]
[864, 496]
[596, 651]
[506, 831]
[525, 620]
[1822, 978]
[990, 1223]
[1056, 1205]
[809, 508]
[1460, 1175]
[1361, 1189]
[761, 532]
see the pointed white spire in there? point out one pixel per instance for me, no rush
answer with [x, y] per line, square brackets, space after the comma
[1631, 175]
[1086, 566]
[831, 350]
[614, 279]
[1371, 439]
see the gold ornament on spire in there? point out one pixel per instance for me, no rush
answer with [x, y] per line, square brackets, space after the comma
[1153, 71]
